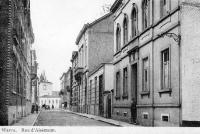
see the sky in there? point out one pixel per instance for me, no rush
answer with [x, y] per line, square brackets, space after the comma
[56, 24]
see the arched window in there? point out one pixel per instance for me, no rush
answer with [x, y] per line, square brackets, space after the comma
[145, 13]
[134, 21]
[118, 38]
[125, 29]
[164, 7]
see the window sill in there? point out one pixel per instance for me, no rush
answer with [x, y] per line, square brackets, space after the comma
[117, 97]
[145, 93]
[145, 30]
[117, 52]
[125, 96]
[163, 91]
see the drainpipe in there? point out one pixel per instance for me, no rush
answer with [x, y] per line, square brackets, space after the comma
[179, 44]
[153, 109]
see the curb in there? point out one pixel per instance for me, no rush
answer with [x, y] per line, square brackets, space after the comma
[118, 125]
[33, 124]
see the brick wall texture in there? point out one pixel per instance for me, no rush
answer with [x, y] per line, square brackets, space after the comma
[13, 58]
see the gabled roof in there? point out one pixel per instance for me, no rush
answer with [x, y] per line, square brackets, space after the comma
[88, 25]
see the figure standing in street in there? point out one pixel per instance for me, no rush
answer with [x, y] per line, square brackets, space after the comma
[133, 111]
[36, 108]
[52, 106]
[33, 108]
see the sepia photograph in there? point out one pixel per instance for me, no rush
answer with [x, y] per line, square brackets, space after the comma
[107, 66]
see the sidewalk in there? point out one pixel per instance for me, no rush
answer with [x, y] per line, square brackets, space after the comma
[28, 120]
[98, 118]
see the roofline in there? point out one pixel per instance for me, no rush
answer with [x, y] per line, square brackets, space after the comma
[100, 66]
[115, 5]
[62, 75]
[46, 82]
[88, 25]
[85, 27]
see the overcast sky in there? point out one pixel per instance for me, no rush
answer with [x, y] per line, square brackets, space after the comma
[56, 24]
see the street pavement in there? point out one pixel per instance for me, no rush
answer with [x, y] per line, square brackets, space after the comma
[27, 121]
[63, 118]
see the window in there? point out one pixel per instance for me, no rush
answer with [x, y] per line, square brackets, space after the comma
[145, 13]
[164, 7]
[165, 117]
[118, 38]
[125, 82]
[90, 92]
[95, 89]
[134, 22]
[118, 84]
[165, 69]
[125, 29]
[145, 115]
[145, 74]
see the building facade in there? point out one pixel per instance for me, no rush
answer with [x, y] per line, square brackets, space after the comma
[45, 87]
[16, 37]
[66, 86]
[53, 101]
[94, 47]
[75, 87]
[153, 84]
[34, 77]
[100, 90]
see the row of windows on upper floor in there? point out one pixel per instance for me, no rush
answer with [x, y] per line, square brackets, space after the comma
[164, 10]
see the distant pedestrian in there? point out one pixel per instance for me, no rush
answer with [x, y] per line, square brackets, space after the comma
[36, 108]
[33, 108]
[52, 106]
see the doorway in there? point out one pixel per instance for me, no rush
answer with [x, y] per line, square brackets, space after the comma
[101, 107]
[134, 92]
[109, 106]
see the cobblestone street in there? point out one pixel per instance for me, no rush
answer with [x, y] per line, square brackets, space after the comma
[63, 118]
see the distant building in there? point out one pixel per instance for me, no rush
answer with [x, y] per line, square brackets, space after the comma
[100, 91]
[46, 94]
[66, 86]
[16, 38]
[75, 88]
[45, 87]
[95, 45]
[54, 101]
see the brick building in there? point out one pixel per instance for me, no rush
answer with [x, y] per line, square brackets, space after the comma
[156, 68]
[16, 37]
[34, 77]
[95, 45]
